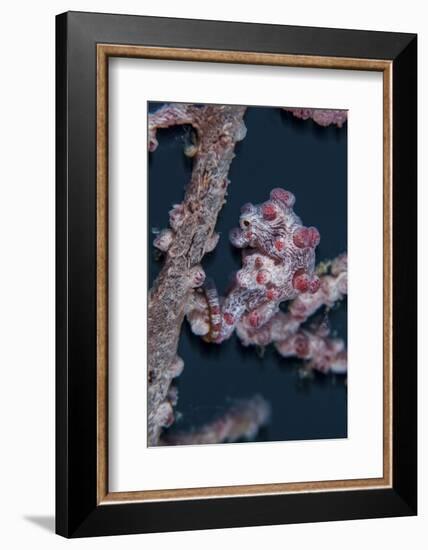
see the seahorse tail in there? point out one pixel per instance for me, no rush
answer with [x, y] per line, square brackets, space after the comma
[214, 310]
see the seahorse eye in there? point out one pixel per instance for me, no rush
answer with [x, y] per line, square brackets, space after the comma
[245, 223]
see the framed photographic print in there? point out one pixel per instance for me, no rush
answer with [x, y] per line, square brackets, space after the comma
[236, 274]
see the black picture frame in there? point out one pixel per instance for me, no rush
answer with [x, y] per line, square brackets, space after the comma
[78, 512]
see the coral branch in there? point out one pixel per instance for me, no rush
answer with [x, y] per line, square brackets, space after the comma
[242, 421]
[321, 352]
[333, 287]
[323, 117]
[169, 115]
[190, 236]
[285, 332]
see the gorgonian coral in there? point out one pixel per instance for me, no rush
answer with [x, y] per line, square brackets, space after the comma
[242, 421]
[323, 117]
[313, 343]
[278, 266]
[190, 236]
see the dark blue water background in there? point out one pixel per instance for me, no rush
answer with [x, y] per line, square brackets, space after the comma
[310, 161]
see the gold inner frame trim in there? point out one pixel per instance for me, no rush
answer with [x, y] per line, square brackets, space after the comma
[104, 51]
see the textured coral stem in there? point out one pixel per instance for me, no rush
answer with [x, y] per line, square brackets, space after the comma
[323, 117]
[321, 352]
[192, 224]
[242, 421]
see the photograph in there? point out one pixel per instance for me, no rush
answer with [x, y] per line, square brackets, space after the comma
[248, 269]
[236, 243]
[213, 269]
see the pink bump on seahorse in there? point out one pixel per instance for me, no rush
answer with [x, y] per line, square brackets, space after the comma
[278, 264]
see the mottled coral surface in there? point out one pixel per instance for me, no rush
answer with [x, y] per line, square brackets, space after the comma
[281, 294]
